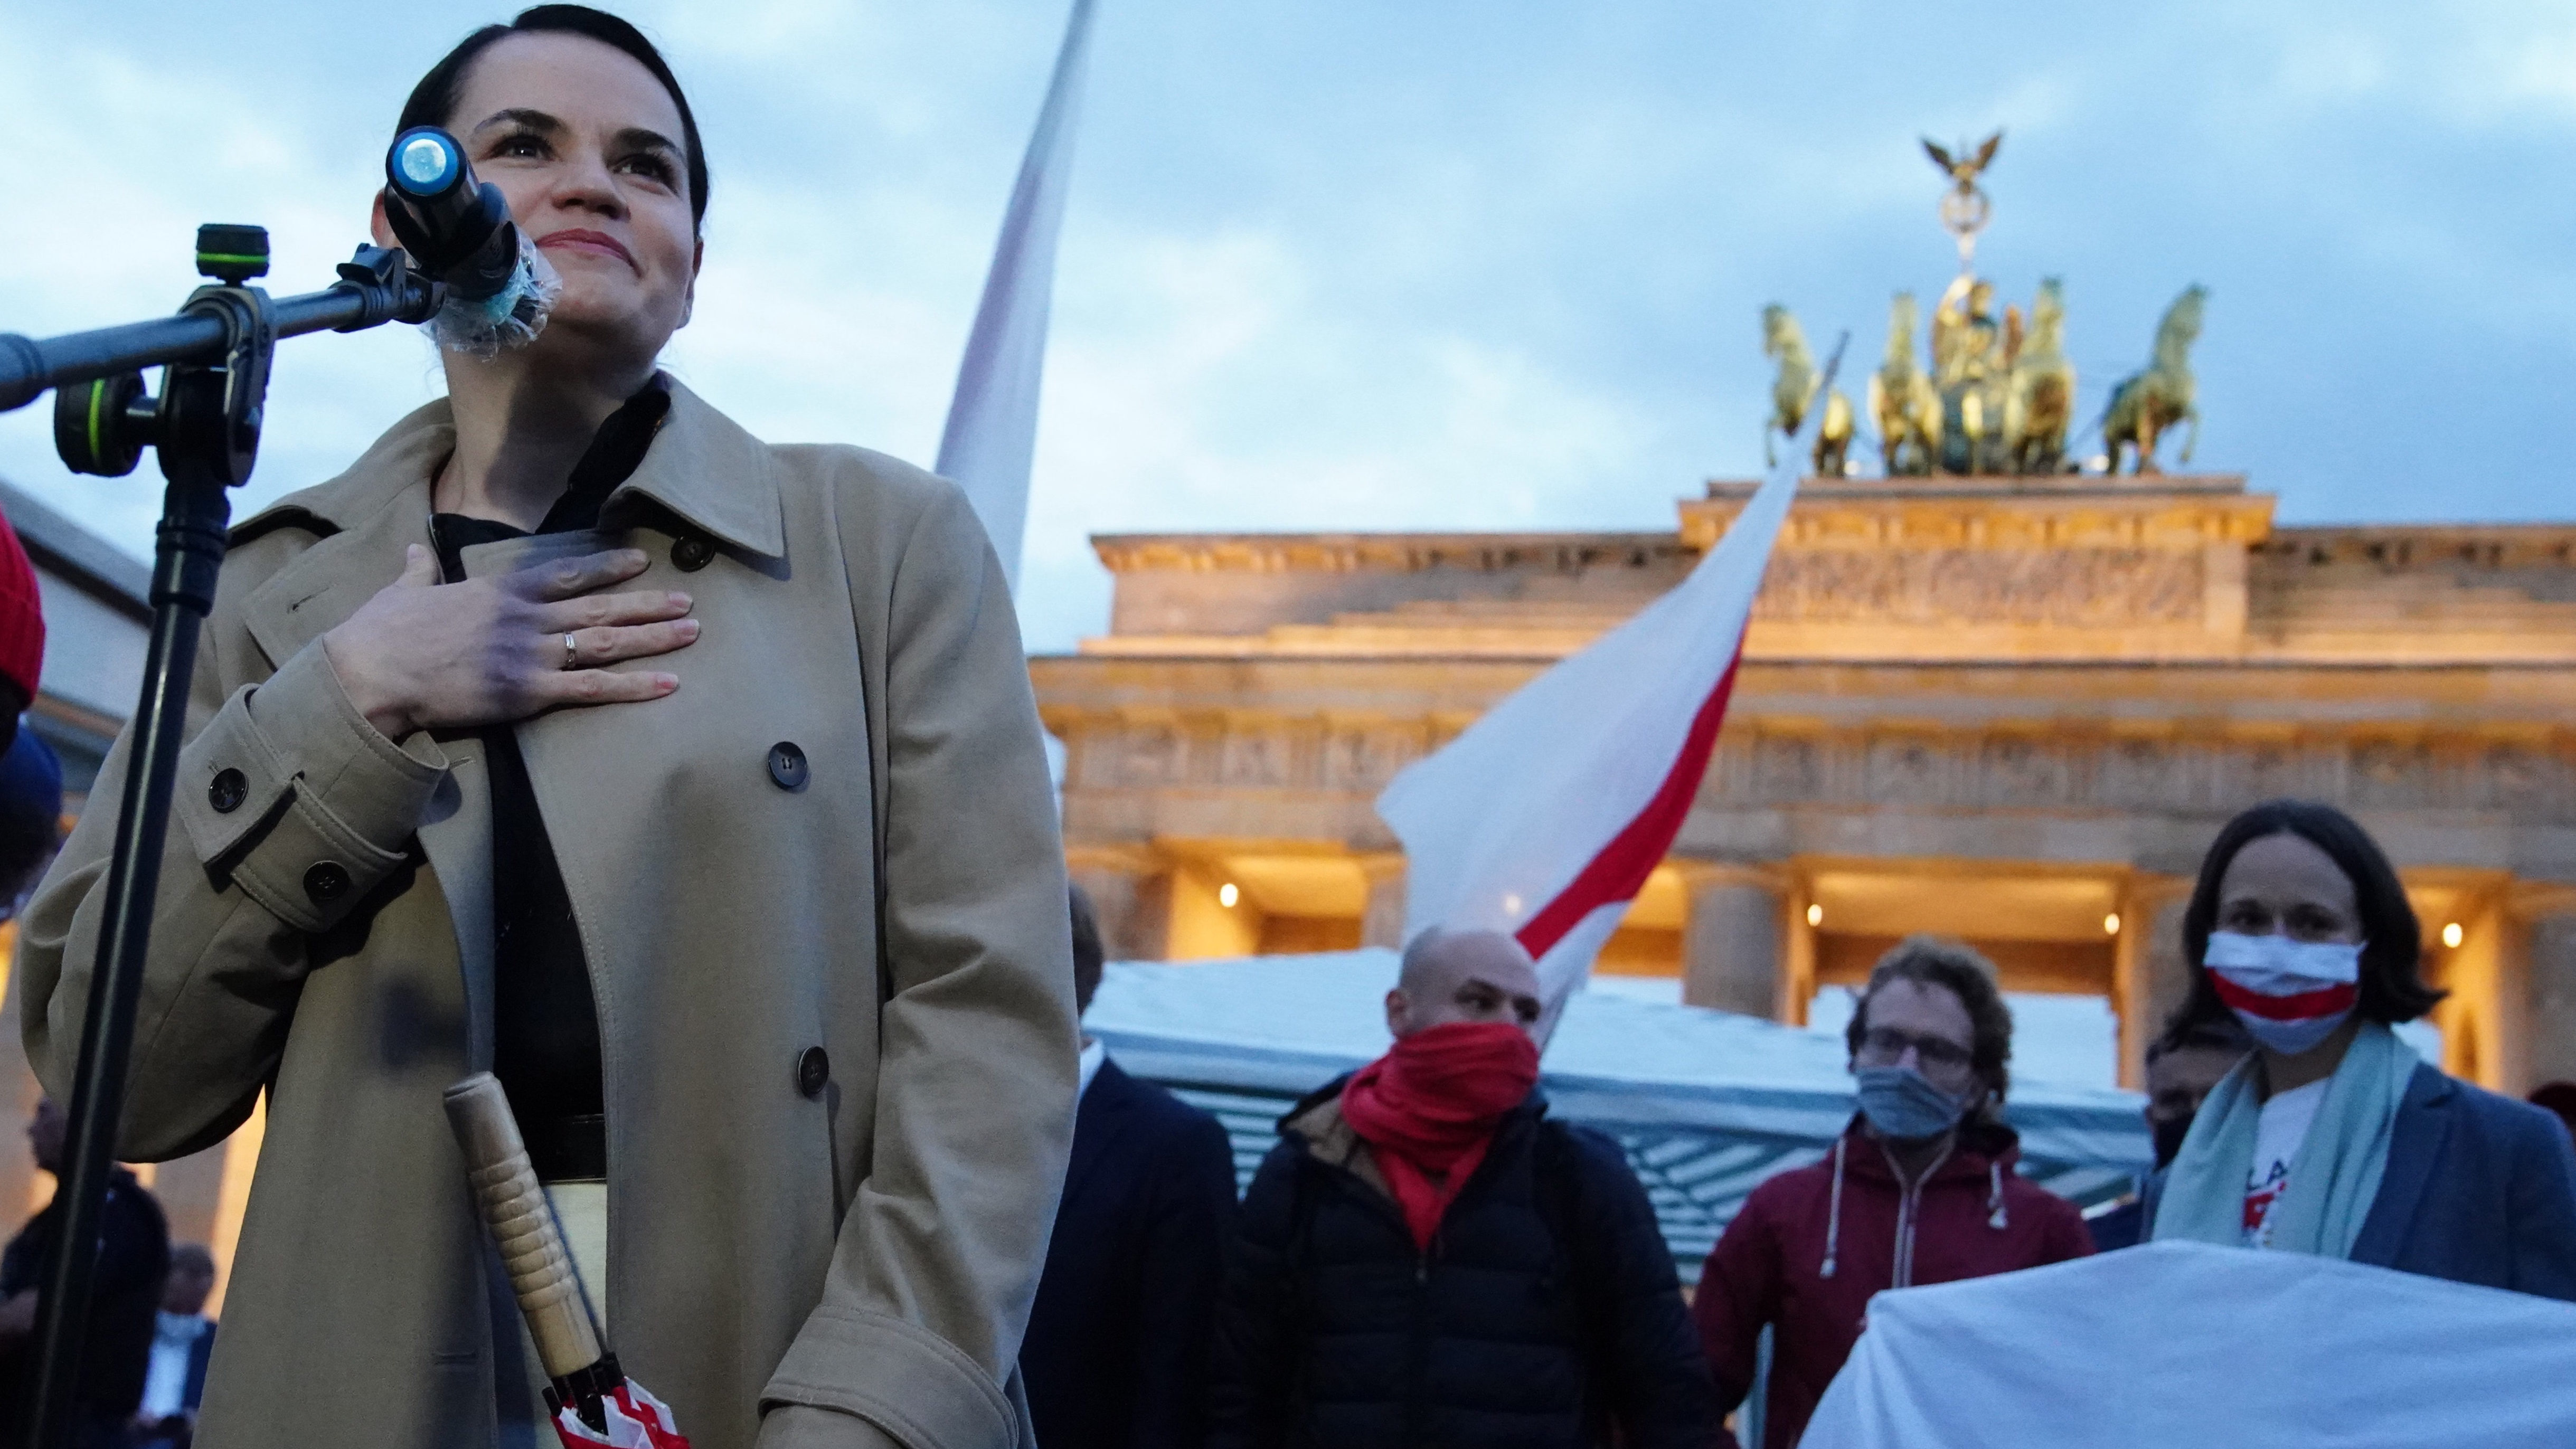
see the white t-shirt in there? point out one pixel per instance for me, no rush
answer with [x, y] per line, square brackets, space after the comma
[2277, 1138]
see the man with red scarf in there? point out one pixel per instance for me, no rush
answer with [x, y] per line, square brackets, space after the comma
[1426, 1259]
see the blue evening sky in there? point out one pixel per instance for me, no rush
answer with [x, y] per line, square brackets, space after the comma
[1442, 264]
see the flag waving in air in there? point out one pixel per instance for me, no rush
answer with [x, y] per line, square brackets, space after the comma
[1545, 817]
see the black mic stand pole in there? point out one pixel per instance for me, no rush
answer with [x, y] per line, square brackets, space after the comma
[206, 426]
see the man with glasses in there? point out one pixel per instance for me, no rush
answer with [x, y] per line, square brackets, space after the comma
[1919, 1189]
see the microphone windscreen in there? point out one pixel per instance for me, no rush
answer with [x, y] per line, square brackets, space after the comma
[509, 318]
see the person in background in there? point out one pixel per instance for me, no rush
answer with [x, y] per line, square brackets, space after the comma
[2182, 1066]
[2332, 1138]
[22, 634]
[182, 1341]
[1920, 1188]
[133, 1259]
[1427, 1259]
[31, 815]
[1116, 1352]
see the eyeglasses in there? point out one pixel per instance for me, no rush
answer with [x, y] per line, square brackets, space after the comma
[1884, 1044]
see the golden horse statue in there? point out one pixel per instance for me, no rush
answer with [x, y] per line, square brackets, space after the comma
[2146, 403]
[2039, 387]
[1902, 401]
[1793, 391]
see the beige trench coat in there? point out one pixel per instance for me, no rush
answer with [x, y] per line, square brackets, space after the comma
[871, 1249]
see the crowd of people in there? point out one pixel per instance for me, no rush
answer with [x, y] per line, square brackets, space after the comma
[1427, 1257]
[693, 786]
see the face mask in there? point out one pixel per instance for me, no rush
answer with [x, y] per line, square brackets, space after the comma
[2169, 1136]
[1900, 1103]
[2290, 994]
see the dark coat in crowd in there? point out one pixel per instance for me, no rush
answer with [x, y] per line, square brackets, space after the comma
[2479, 1189]
[1116, 1352]
[125, 1306]
[1972, 1216]
[1545, 1314]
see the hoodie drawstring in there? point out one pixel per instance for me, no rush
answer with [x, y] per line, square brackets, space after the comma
[1834, 1213]
[1995, 1197]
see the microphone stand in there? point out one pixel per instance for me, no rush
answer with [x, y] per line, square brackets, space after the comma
[206, 426]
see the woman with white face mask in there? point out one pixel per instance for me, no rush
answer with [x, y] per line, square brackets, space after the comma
[2333, 1138]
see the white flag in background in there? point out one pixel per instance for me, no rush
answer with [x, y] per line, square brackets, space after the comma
[992, 428]
[1546, 816]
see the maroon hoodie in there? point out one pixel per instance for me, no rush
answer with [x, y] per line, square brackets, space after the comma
[1798, 1260]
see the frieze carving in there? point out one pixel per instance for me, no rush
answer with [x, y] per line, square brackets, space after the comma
[1510, 553]
[2094, 588]
[1996, 770]
[2025, 768]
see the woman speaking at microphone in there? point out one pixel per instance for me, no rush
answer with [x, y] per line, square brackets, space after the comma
[2332, 1138]
[690, 784]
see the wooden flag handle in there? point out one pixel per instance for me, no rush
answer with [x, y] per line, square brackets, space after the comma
[522, 1224]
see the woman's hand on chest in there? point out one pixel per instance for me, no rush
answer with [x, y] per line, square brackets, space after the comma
[421, 655]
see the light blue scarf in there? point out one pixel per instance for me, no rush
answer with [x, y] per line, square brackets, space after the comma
[2333, 1180]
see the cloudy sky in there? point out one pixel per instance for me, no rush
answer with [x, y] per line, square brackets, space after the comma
[1439, 264]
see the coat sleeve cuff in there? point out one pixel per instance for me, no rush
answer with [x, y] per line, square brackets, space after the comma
[290, 793]
[918, 1388]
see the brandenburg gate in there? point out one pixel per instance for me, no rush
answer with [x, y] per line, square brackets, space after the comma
[2009, 709]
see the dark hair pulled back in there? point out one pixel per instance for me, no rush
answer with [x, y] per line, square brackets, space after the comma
[433, 101]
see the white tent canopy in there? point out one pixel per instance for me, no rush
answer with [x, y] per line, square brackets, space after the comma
[2186, 1343]
[1706, 1102]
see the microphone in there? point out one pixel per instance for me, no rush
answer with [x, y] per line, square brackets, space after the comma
[459, 232]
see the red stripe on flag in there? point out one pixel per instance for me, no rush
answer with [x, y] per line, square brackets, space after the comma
[1620, 868]
[2306, 1004]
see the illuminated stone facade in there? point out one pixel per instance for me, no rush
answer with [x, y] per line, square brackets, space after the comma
[2012, 710]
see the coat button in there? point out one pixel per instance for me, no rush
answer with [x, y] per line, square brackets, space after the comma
[787, 766]
[326, 882]
[228, 791]
[692, 553]
[813, 1071]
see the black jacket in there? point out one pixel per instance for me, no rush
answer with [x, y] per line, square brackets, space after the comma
[1545, 1313]
[1116, 1352]
[125, 1306]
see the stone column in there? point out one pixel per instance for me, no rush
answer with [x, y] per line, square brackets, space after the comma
[1382, 918]
[1131, 892]
[2150, 978]
[1731, 956]
[2547, 1045]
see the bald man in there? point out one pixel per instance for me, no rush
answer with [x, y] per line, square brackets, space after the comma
[1427, 1258]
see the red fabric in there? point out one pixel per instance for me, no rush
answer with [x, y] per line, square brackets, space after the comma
[22, 617]
[1768, 1266]
[1428, 1108]
[2324, 1001]
[1619, 871]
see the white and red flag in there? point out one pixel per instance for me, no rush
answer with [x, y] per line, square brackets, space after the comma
[1546, 816]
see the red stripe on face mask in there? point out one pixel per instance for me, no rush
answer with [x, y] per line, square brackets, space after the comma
[2301, 1007]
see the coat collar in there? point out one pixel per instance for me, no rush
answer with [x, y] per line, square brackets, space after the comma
[1101, 1118]
[702, 467]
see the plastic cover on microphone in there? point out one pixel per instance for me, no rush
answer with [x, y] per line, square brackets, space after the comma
[499, 288]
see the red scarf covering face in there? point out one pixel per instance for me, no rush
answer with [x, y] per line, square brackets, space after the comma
[1429, 1107]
